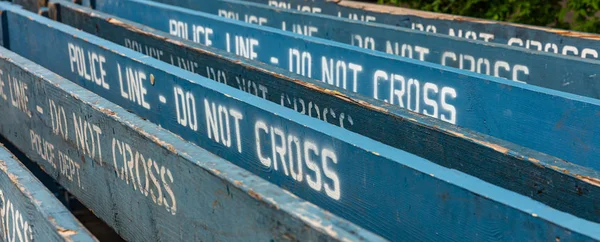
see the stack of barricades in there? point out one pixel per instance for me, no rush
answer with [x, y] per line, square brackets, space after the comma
[222, 120]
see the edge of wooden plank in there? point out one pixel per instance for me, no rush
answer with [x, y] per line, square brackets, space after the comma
[377, 25]
[587, 180]
[35, 213]
[451, 177]
[288, 212]
[431, 15]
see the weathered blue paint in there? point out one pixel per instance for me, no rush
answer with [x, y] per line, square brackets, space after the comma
[359, 78]
[176, 191]
[585, 45]
[504, 109]
[392, 192]
[545, 178]
[32, 5]
[537, 68]
[28, 211]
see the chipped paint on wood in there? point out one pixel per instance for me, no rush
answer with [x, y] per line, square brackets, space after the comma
[168, 199]
[558, 41]
[493, 106]
[353, 178]
[28, 210]
[32, 5]
[412, 133]
[547, 70]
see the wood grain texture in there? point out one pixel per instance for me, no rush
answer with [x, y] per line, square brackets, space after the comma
[185, 193]
[558, 72]
[545, 120]
[548, 179]
[29, 211]
[386, 190]
[565, 42]
[31, 5]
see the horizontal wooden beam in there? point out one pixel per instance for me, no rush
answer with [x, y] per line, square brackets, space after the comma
[146, 183]
[565, 42]
[545, 178]
[558, 72]
[28, 210]
[549, 121]
[386, 190]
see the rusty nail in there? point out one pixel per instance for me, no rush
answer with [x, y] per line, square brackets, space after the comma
[152, 79]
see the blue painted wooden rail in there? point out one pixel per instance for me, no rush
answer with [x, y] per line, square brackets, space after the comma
[381, 188]
[538, 68]
[31, 5]
[510, 166]
[28, 211]
[559, 41]
[342, 65]
[523, 114]
[146, 183]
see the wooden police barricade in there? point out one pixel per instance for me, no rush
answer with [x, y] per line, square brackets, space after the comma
[402, 129]
[568, 74]
[146, 183]
[28, 211]
[523, 114]
[559, 41]
[389, 191]
[537, 68]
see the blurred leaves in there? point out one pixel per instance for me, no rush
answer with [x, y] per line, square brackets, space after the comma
[579, 15]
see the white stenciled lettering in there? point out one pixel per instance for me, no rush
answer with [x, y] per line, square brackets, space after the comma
[88, 65]
[2, 84]
[14, 227]
[144, 49]
[311, 109]
[252, 87]
[448, 92]
[144, 174]
[471, 34]
[252, 19]
[185, 108]
[340, 73]
[303, 160]
[554, 48]
[418, 96]
[43, 148]
[498, 68]
[396, 48]
[300, 62]
[18, 94]
[202, 35]
[58, 119]
[69, 168]
[87, 138]
[286, 5]
[421, 27]
[184, 63]
[407, 50]
[178, 28]
[304, 29]
[363, 42]
[422, 52]
[245, 47]
[220, 121]
[359, 17]
[216, 74]
[132, 86]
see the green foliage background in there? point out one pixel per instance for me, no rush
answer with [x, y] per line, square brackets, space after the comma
[579, 15]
